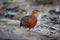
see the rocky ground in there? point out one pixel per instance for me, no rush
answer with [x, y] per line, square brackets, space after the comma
[16, 33]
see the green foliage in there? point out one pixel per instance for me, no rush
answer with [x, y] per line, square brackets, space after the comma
[5, 22]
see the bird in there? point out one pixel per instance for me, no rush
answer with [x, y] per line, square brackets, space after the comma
[29, 21]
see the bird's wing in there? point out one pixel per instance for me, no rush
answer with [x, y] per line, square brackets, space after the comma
[26, 18]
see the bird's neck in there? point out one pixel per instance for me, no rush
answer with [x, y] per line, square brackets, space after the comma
[34, 14]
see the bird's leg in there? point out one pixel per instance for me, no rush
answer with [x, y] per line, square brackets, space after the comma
[29, 29]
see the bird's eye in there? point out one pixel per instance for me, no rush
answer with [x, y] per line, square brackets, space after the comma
[36, 10]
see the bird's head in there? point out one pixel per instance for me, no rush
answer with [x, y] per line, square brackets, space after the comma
[34, 12]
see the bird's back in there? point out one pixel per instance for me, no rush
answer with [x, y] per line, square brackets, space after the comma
[26, 18]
